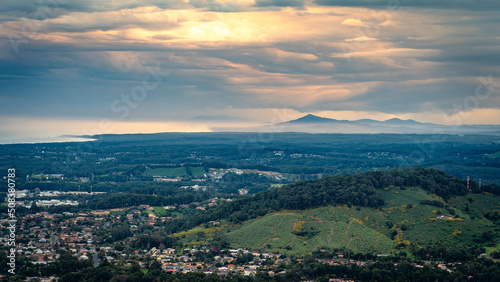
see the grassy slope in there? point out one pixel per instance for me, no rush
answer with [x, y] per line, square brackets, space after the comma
[368, 231]
[328, 226]
[495, 155]
[198, 171]
[166, 172]
[174, 172]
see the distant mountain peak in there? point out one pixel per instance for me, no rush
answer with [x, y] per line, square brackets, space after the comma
[310, 118]
[401, 121]
[397, 119]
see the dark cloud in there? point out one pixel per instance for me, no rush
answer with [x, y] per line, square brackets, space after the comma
[279, 3]
[394, 5]
[215, 6]
[170, 4]
[40, 10]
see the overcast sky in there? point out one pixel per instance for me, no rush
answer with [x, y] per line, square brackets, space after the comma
[69, 66]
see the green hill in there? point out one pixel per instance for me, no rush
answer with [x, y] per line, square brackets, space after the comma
[368, 213]
[405, 221]
[360, 190]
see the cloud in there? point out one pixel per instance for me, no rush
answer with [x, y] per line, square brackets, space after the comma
[361, 38]
[353, 22]
[279, 3]
[244, 58]
[39, 10]
[483, 5]
[220, 6]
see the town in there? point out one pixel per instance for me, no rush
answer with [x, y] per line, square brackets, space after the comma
[129, 236]
[314, 209]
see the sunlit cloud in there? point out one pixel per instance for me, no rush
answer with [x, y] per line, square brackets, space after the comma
[361, 38]
[353, 22]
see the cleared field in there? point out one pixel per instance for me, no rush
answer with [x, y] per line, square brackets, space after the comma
[160, 211]
[490, 250]
[271, 230]
[166, 172]
[495, 155]
[196, 172]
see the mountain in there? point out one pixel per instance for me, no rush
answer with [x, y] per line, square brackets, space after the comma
[316, 124]
[313, 119]
[397, 121]
[310, 118]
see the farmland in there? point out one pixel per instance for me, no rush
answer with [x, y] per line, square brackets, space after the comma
[198, 171]
[175, 172]
[404, 221]
[325, 227]
[166, 172]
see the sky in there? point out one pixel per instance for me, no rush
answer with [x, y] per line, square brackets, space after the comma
[91, 67]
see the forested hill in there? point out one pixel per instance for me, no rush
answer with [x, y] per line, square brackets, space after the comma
[359, 189]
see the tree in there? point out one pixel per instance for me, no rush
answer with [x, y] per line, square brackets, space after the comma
[155, 269]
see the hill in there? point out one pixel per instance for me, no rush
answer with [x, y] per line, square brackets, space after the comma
[304, 232]
[360, 190]
[314, 119]
[406, 221]
[376, 212]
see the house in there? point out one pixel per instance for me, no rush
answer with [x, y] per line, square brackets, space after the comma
[100, 212]
[163, 179]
